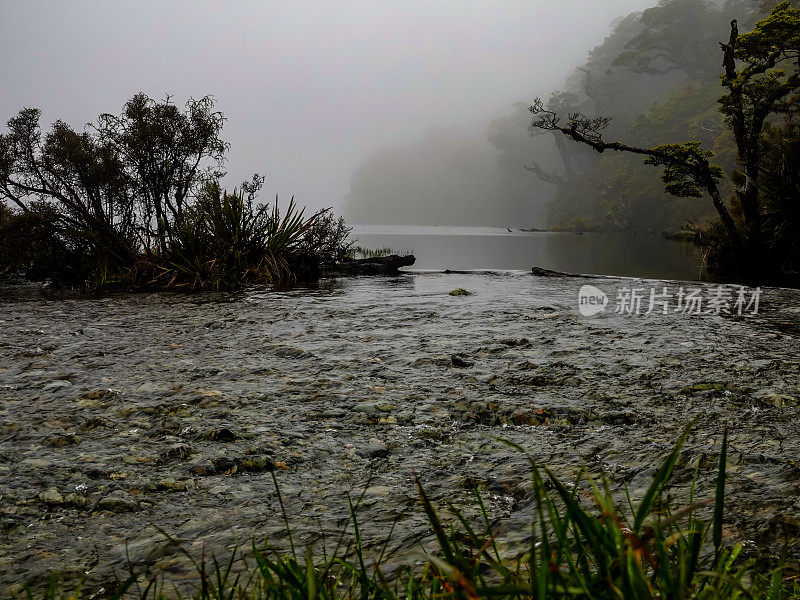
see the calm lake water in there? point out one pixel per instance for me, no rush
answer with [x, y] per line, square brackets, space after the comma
[478, 248]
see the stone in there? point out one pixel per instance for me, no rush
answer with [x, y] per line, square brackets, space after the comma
[63, 440]
[118, 501]
[58, 384]
[225, 465]
[256, 464]
[459, 361]
[373, 449]
[51, 496]
[220, 435]
[459, 292]
[74, 499]
[171, 485]
[178, 451]
[779, 400]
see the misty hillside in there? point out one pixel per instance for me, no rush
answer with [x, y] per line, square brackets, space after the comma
[449, 177]
[656, 75]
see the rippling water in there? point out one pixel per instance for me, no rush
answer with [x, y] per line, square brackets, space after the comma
[125, 413]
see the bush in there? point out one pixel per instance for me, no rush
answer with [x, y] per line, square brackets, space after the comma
[33, 243]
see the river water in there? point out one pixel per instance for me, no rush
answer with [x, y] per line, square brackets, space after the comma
[125, 414]
[470, 248]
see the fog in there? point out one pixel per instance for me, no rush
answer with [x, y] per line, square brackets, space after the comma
[310, 89]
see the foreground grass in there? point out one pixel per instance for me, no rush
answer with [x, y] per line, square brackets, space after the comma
[641, 551]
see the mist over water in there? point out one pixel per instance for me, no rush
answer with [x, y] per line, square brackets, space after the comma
[491, 248]
[311, 89]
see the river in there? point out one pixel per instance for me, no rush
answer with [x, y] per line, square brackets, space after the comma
[124, 414]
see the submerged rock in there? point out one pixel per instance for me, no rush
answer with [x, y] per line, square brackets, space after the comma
[178, 451]
[460, 361]
[374, 449]
[220, 435]
[118, 502]
[779, 400]
[51, 496]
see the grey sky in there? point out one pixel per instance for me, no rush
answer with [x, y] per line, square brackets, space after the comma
[309, 88]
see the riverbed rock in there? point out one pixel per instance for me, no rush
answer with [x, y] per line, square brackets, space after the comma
[374, 449]
[52, 497]
[58, 384]
[118, 501]
[460, 361]
[779, 400]
[77, 500]
[220, 435]
[178, 451]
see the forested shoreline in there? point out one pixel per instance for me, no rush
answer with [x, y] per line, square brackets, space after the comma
[656, 78]
[756, 195]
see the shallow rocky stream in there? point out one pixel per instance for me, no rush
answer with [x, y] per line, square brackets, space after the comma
[124, 415]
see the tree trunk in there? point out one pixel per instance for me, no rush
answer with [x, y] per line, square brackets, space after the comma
[569, 168]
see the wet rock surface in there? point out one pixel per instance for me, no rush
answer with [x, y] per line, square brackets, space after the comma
[126, 414]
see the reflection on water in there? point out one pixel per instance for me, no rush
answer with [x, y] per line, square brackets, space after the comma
[475, 248]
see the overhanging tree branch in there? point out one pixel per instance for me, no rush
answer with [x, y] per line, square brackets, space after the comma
[545, 175]
[687, 170]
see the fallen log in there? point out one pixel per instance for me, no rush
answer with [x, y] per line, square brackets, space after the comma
[540, 272]
[376, 265]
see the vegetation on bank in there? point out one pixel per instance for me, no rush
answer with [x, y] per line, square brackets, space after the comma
[360, 252]
[757, 230]
[135, 202]
[647, 551]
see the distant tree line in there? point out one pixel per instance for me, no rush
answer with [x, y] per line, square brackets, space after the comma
[135, 201]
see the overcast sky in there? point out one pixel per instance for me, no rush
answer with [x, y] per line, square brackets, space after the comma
[309, 88]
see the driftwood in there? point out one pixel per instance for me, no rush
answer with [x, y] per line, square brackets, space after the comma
[377, 265]
[540, 272]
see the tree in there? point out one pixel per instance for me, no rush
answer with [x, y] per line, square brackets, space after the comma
[558, 102]
[762, 73]
[80, 177]
[677, 35]
[770, 73]
[687, 172]
[167, 153]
